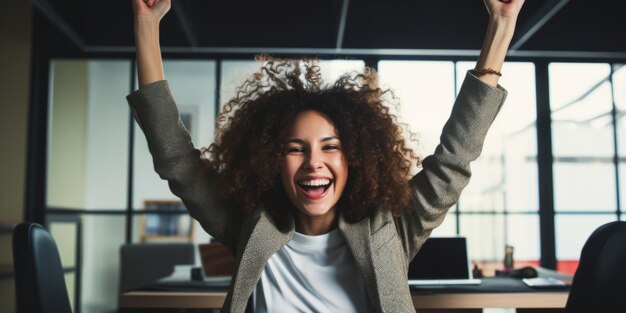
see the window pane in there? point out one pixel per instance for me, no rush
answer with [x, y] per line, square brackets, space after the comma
[70, 279]
[234, 74]
[448, 227]
[505, 176]
[88, 134]
[523, 234]
[488, 235]
[193, 87]
[569, 82]
[65, 236]
[102, 238]
[580, 101]
[574, 192]
[572, 232]
[582, 137]
[485, 236]
[425, 100]
[579, 142]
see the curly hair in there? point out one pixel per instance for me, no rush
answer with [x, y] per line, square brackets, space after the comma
[253, 127]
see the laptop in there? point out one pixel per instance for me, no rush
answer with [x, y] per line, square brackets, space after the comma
[442, 261]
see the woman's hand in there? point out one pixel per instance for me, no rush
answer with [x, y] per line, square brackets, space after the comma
[506, 9]
[151, 9]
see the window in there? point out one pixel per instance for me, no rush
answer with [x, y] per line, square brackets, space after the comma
[583, 141]
[501, 201]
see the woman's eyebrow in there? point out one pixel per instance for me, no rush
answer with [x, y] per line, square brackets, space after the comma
[301, 141]
[295, 140]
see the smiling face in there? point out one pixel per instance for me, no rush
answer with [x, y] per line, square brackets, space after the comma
[314, 171]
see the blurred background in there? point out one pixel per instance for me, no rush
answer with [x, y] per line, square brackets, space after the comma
[553, 168]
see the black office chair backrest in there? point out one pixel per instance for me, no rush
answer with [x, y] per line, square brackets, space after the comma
[39, 280]
[599, 284]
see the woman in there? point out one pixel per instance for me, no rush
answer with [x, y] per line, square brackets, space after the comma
[308, 185]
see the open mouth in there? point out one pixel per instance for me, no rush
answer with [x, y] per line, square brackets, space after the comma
[315, 188]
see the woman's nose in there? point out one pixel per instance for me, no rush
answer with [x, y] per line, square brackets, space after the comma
[314, 161]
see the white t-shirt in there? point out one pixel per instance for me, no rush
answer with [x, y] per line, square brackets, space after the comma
[312, 274]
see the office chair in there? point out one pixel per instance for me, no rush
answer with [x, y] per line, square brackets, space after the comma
[39, 280]
[599, 283]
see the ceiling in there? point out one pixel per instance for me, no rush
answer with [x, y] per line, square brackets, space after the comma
[545, 27]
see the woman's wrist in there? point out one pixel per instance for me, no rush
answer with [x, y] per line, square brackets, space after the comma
[149, 63]
[146, 25]
[146, 33]
[497, 40]
[501, 28]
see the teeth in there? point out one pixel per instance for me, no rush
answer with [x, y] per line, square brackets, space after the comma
[315, 182]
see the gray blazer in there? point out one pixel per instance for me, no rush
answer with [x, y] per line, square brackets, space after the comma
[382, 245]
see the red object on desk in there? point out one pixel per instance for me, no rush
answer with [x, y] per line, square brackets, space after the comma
[216, 260]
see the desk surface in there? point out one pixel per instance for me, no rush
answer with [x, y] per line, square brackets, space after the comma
[207, 300]
[493, 293]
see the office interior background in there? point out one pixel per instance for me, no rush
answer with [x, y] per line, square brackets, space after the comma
[553, 168]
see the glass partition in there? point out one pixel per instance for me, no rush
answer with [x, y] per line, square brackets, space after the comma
[88, 135]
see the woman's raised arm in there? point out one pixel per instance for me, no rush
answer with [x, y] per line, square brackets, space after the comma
[447, 171]
[174, 155]
[502, 19]
[148, 15]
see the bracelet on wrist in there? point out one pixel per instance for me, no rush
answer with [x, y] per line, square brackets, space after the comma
[484, 71]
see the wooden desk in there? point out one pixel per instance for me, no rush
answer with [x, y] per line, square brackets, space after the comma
[441, 302]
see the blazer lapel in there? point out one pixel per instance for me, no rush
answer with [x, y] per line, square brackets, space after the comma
[264, 241]
[358, 239]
